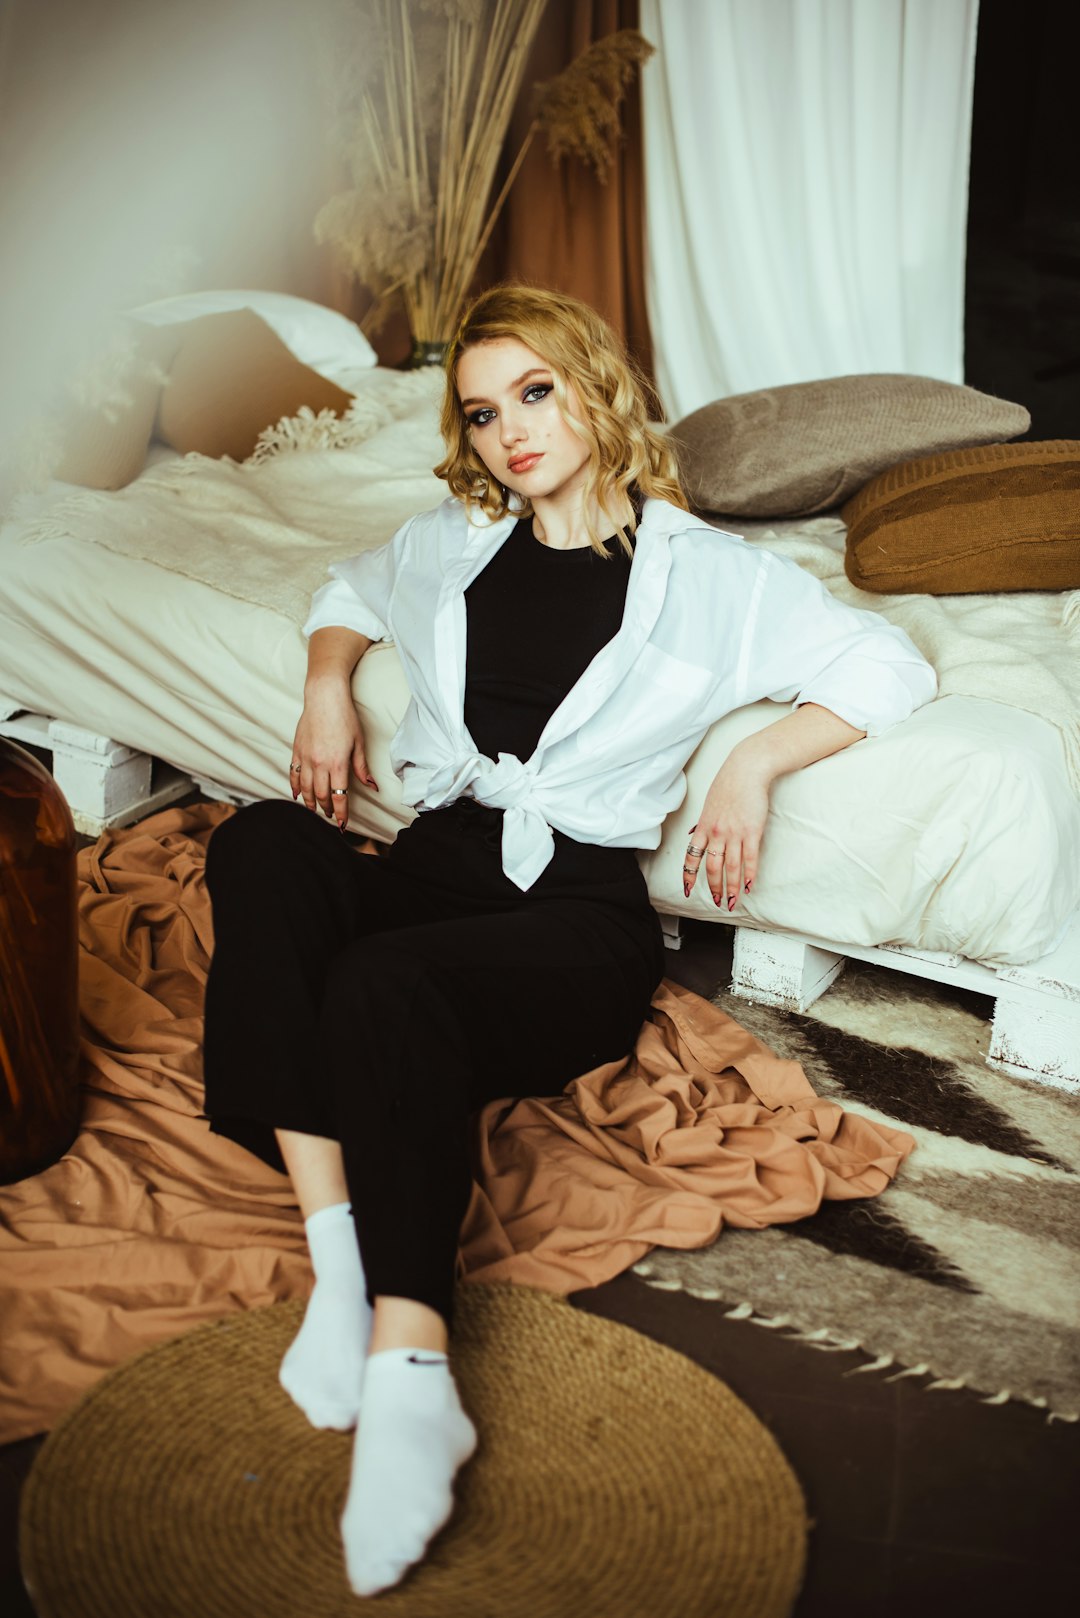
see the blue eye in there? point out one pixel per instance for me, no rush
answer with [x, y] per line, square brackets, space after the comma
[533, 394]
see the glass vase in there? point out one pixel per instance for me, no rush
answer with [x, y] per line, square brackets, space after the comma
[427, 353]
[39, 944]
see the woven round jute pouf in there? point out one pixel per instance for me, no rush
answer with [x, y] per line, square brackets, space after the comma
[614, 1478]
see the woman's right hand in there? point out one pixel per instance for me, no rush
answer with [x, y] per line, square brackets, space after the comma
[329, 743]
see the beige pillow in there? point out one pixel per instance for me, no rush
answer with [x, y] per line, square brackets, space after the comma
[104, 444]
[230, 378]
[1003, 517]
[791, 451]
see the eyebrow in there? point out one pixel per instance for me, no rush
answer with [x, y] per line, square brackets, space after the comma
[537, 370]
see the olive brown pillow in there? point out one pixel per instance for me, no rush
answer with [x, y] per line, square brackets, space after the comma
[211, 384]
[230, 378]
[1001, 517]
[805, 447]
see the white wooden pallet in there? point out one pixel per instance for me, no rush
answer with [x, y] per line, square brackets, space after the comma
[1036, 1024]
[1035, 1032]
[105, 783]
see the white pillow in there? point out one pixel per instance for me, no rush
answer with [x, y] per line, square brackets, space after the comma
[330, 343]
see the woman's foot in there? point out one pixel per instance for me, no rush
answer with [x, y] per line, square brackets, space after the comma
[324, 1367]
[413, 1437]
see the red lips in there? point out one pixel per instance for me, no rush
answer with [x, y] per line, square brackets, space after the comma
[523, 463]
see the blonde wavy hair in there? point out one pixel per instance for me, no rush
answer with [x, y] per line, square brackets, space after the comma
[626, 455]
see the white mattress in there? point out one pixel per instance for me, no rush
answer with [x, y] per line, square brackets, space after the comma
[958, 830]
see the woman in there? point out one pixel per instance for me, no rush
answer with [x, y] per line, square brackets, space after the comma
[568, 632]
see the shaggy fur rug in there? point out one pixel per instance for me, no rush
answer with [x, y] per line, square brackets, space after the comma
[966, 1270]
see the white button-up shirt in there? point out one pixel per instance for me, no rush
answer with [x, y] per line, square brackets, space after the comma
[711, 623]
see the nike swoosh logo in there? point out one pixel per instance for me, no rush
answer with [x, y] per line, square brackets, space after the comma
[414, 1361]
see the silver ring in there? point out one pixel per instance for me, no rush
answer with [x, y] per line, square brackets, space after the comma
[339, 792]
[696, 852]
[294, 769]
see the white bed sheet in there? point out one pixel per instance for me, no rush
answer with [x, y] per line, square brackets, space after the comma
[956, 831]
[167, 665]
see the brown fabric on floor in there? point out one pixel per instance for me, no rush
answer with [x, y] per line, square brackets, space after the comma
[700, 1127]
[150, 1225]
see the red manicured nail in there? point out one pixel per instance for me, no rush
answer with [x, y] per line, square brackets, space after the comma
[686, 889]
[731, 901]
[747, 887]
[718, 898]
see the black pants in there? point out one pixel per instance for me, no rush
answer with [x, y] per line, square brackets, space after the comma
[381, 1002]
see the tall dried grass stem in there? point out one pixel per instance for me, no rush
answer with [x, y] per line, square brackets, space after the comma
[427, 103]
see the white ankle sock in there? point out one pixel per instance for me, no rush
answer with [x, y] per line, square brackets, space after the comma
[324, 1366]
[413, 1436]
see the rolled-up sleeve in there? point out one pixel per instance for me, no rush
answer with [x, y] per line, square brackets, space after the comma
[358, 595]
[802, 645]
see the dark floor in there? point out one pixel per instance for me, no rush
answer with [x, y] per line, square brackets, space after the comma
[928, 1503]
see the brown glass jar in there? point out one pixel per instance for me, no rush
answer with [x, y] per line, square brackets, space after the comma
[39, 951]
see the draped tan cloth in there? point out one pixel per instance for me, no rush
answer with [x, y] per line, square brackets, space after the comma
[151, 1225]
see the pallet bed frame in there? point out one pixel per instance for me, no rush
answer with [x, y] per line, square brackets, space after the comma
[1035, 1030]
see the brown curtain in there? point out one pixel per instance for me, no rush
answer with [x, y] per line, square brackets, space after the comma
[561, 227]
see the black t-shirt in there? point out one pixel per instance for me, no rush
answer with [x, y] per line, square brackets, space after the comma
[536, 619]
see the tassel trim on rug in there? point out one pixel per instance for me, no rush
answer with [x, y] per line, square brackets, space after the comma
[830, 1342]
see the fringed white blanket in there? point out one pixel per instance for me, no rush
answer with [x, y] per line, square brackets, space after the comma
[266, 530]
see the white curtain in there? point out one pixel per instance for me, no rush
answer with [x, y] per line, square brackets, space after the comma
[806, 170]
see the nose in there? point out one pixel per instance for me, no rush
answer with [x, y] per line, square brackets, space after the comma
[511, 428]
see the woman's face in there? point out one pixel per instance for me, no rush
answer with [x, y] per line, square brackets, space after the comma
[515, 424]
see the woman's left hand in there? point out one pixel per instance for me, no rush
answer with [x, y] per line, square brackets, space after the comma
[727, 837]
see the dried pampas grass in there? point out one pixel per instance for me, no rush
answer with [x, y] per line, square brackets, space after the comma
[578, 112]
[420, 94]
